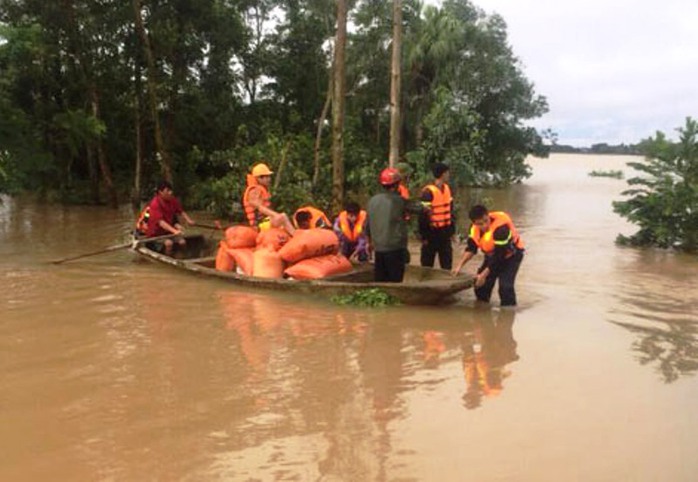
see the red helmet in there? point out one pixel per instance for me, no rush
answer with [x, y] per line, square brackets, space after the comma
[389, 176]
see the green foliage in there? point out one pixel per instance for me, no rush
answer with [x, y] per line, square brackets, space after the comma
[372, 297]
[237, 82]
[664, 198]
[615, 174]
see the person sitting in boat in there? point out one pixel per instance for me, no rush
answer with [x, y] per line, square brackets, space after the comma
[495, 235]
[350, 227]
[161, 217]
[309, 217]
[256, 201]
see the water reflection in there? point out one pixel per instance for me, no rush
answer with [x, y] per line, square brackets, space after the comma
[673, 349]
[487, 351]
[654, 302]
[340, 379]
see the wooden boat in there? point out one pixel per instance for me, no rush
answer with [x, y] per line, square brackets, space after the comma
[421, 286]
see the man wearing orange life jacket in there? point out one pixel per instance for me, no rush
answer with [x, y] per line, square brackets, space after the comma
[350, 227]
[256, 201]
[436, 226]
[495, 235]
[309, 217]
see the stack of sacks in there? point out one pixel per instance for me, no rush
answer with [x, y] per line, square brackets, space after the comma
[236, 249]
[312, 254]
[267, 262]
[247, 251]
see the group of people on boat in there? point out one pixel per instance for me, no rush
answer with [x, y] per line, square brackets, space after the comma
[379, 231]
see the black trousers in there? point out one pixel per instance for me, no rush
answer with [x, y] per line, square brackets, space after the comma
[390, 266]
[438, 241]
[506, 276]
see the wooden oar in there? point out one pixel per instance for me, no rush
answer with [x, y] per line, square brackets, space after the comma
[216, 227]
[115, 248]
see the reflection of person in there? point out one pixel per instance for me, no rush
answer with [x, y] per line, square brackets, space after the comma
[350, 227]
[387, 228]
[495, 234]
[487, 350]
[436, 227]
[309, 217]
[256, 201]
[434, 346]
[163, 214]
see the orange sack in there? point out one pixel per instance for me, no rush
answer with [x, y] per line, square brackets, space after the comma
[275, 238]
[308, 243]
[319, 267]
[244, 259]
[241, 237]
[224, 262]
[267, 263]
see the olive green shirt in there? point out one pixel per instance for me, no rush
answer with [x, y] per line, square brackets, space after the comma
[387, 227]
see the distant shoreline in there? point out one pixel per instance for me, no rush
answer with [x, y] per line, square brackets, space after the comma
[621, 149]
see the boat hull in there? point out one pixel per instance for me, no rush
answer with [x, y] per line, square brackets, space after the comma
[421, 286]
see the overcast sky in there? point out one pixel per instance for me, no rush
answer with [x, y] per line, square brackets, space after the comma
[612, 70]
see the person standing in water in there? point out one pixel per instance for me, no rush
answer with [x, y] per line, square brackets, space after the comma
[496, 236]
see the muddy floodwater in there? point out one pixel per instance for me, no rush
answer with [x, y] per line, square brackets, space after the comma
[112, 368]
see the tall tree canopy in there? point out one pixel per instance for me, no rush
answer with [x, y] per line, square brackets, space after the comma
[95, 94]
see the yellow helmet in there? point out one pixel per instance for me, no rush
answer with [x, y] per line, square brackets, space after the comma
[261, 169]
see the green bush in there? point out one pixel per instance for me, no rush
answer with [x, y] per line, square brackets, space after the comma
[611, 173]
[664, 198]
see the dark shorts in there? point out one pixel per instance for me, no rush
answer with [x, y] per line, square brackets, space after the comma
[390, 266]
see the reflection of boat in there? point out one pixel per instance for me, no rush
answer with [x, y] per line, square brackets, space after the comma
[422, 286]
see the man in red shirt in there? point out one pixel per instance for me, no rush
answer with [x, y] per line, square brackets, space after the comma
[164, 213]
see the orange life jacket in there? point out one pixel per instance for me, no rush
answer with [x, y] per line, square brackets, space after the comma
[317, 217]
[142, 222]
[403, 191]
[486, 241]
[254, 217]
[440, 216]
[352, 234]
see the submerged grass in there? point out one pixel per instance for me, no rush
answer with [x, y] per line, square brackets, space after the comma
[372, 297]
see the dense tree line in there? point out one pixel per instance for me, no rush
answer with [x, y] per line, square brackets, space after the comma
[100, 98]
[601, 148]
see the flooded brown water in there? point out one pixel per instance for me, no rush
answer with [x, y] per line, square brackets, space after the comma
[116, 369]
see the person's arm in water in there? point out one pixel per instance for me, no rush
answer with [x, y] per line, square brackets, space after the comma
[468, 254]
[502, 241]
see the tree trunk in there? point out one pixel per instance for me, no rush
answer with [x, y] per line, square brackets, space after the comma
[94, 178]
[138, 125]
[102, 155]
[338, 108]
[282, 164]
[318, 134]
[163, 155]
[395, 80]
